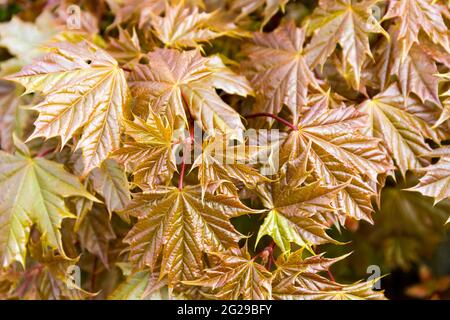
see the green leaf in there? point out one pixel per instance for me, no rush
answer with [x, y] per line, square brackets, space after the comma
[33, 192]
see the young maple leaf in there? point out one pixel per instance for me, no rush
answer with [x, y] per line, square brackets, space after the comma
[24, 40]
[173, 81]
[134, 12]
[183, 27]
[416, 16]
[278, 71]
[298, 279]
[149, 156]
[48, 277]
[48, 182]
[346, 23]
[339, 152]
[293, 207]
[247, 7]
[237, 276]
[85, 90]
[9, 102]
[416, 73]
[445, 115]
[95, 233]
[139, 285]
[436, 181]
[180, 225]
[223, 165]
[126, 49]
[111, 182]
[403, 132]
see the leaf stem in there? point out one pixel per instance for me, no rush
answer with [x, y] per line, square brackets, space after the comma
[273, 116]
[44, 152]
[271, 258]
[183, 169]
[331, 275]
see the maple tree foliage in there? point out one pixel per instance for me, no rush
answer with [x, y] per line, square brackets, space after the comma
[102, 168]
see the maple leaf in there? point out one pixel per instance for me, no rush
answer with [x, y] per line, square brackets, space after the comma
[178, 225]
[20, 177]
[402, 131]
[445, 115]
[237, 276]
[111, 182]
[95, 232]
[298, 279]
[415, 73]
[173, 81]
[134, 11]
[50, 276]
[347, 24]
[247, 7]
[84, 90]
[416, 16]
[339, 152]
[139, 285]
[356, 291]
[24, 40]
[185, 27]
[293, 206]
[127, 48]
[278, 71]
[149, 157]
[220, 164]
[119, 101]
[9, 102]
[436, 181]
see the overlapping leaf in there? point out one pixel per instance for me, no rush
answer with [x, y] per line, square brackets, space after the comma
[416, 16]
[48, 183]
[178, 226]
[339, 153]
[436, 181]
[149, 156]
[416, 72]
[299, 279]
[84, 90]
[185, 27]
[237, 276]
[346, 23]
[24, 40]
[49, 277]
[402, 132]
[95, 233]
[222, 164]
[111, 182]
[9, 104]
[344, 117]
[247, 7]
[278, 71]
[178, 82]
[293, 207]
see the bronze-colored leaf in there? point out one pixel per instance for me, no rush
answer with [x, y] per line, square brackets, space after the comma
[178, 225]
